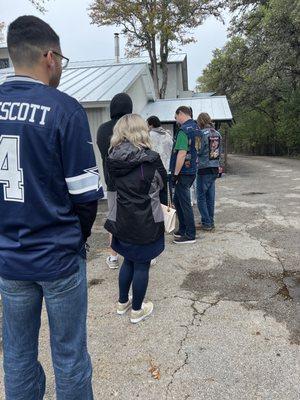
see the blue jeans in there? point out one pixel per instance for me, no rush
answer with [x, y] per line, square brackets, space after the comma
[182, 202]
[206, 198]
[66, 303]
[136, 273]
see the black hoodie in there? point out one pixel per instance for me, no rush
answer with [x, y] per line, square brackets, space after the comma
[120, 105]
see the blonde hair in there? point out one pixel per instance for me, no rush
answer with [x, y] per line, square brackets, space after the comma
[203, 120]
[133, 128]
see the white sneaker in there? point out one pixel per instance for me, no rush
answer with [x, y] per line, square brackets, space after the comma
[153, 262]
[122, 308]
[144, 312]
[112, 264]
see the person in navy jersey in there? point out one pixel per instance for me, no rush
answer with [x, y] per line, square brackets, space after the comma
[49, 188]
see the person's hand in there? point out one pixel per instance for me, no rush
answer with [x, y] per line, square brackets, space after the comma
[174, 179]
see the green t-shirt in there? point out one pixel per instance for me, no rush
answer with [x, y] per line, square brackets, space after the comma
[182, 142]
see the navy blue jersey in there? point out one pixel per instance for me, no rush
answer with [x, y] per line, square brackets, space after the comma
[47, 164]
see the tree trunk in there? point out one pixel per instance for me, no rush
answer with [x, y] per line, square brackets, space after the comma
[164, 53]
[154, 67]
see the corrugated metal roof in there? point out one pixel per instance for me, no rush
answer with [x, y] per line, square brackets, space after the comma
[99, 80]
[97, 83]
[94, 84]
[173, 58]
[216, 106]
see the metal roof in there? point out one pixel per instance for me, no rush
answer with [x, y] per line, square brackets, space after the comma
[173, 58]
[216, 106]
[91, 84]
[101, 83]
[203, 94]
[97, 81]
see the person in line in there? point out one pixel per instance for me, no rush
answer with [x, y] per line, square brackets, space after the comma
[162, 143]
[120, 105]
[49, 188]
[183, 168]
[161, 140]
[208, 170]
[135, 219]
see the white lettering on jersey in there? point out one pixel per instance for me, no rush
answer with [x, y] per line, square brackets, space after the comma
[11, 175]
[24, 108]
[45, 110]
[34, 108]
[14, 111]
[10, 117]
[5, 110]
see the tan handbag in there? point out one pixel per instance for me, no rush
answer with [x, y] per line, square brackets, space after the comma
[169, 214]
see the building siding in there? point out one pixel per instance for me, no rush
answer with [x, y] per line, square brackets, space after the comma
[137, 92]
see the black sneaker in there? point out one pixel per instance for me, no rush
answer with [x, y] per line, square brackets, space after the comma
[200, 227]
[177, 235]
[207, 228]
[184, 240]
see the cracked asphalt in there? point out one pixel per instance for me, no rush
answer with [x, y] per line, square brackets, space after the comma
[226, 322]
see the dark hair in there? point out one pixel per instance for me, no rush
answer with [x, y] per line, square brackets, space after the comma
[27, 37]
[185, 110]
[154, 121]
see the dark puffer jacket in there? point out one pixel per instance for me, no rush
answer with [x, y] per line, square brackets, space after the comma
[121, 104]
[138, 177]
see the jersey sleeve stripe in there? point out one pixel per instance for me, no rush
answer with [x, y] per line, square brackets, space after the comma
[83, 183]
[84, 190]
[79, 177]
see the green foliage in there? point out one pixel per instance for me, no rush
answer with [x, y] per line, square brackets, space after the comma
[259, 69]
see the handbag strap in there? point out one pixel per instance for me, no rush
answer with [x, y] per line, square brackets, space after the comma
[169, 197]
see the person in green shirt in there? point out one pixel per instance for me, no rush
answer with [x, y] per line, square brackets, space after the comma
[182, 142]
[183, 171]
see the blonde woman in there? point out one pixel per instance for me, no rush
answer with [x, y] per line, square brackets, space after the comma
[135, 219]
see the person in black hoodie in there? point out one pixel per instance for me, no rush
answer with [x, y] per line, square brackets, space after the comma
[121, 104]
[136, 221]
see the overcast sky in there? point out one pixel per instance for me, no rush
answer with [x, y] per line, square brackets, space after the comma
[82, 41]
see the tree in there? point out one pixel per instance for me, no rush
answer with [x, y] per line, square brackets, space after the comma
[39, 5]
[259, 71]
[155, 26]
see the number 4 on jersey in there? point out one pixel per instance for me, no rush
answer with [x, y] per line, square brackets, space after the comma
[11, 175]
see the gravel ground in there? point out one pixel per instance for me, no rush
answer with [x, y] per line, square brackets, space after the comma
[226, 323]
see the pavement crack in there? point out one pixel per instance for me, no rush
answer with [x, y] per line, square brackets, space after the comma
[185, 337]
[284, 290]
